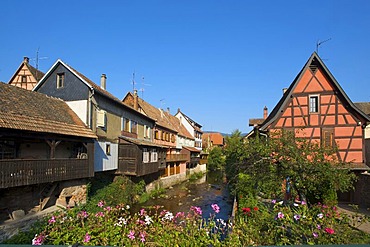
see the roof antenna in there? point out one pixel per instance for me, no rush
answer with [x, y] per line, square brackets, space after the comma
[142, 89]
[318, 43]
[133, 81]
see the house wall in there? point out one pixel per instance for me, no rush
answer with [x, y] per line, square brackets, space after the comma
[104, 161]
[183, 141]
[74, 89]
[80, 107]
[332, 116]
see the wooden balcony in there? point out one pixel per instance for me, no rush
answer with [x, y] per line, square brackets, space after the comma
[20, 172]
[176, 157]
[203, 161]
[131, 167]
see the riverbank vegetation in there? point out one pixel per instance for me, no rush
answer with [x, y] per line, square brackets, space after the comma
[286, 193]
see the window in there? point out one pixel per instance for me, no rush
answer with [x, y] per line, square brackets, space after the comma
[314, 104]
[60, 80]
[147, 131]
[107, 149]
[145, 155]
[156, 134]
[126, 125]
[101, 118]
[24, 79]
[133, 127]
[327, 137]
[154, 155]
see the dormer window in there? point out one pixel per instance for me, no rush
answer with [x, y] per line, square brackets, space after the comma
[60, 80]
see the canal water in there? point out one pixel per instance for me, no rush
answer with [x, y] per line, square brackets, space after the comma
[204, 192]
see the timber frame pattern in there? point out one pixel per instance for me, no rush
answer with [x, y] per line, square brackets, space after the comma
[316, 107]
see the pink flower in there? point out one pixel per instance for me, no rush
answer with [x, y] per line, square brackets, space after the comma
[280, 215]
[329, 230]
[52, 220]
[303, 203]
[100, 204]
[38, 239]
[273, 201]
[131, 235]
[83, 214]
[142, 236]
[196, 210]
[180, 214]
[297, 216]
[315, 235]
[142, 212]
[87, 238]
[101, 214]
[215, 208]
[108, 208]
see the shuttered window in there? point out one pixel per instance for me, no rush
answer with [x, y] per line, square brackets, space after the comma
[327, 137]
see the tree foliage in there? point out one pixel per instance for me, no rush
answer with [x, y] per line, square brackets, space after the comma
[314, 171]
[216, 159]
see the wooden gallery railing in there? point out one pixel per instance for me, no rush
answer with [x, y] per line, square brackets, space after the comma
[17, 172]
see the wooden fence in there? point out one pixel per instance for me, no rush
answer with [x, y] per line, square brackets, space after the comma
[18, 172]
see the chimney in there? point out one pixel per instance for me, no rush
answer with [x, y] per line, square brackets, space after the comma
[284, 90]
[265, 113]
[26, 59]
[168, 110]
[103, 81]
[136, 100]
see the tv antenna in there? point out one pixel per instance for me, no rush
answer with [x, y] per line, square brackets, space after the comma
[36, 60]
[162, 102]
[318, 43]
[142, 87]
[133, 81]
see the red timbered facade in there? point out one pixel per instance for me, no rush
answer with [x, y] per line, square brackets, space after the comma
[316, 107]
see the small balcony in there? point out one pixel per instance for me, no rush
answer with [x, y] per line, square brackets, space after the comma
[176, 157]
[20, 172]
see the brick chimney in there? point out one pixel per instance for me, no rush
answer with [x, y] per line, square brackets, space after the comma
[265, 112]
[136, 100]
[103, 81]
[26, 59]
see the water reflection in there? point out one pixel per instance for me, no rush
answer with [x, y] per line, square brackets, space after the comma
[204, 192]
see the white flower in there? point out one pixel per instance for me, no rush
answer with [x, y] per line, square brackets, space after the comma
[168, 216]
[127, 207]
[148, 220]
[281, 202]
[121, 221]
[320, 215]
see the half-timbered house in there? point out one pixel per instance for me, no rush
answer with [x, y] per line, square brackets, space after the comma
[44, 148]
[26, 76]
[316, 107]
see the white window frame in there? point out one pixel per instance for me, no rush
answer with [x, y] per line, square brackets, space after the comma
[60, 80]
[314, 108]
[145, 155]
[154, 155]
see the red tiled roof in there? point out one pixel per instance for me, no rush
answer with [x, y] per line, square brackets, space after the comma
[216, 138]
[21, 109]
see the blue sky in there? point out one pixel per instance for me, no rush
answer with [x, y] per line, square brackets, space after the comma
[219, 61]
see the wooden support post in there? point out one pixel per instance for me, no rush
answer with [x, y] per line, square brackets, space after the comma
[53, 144]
